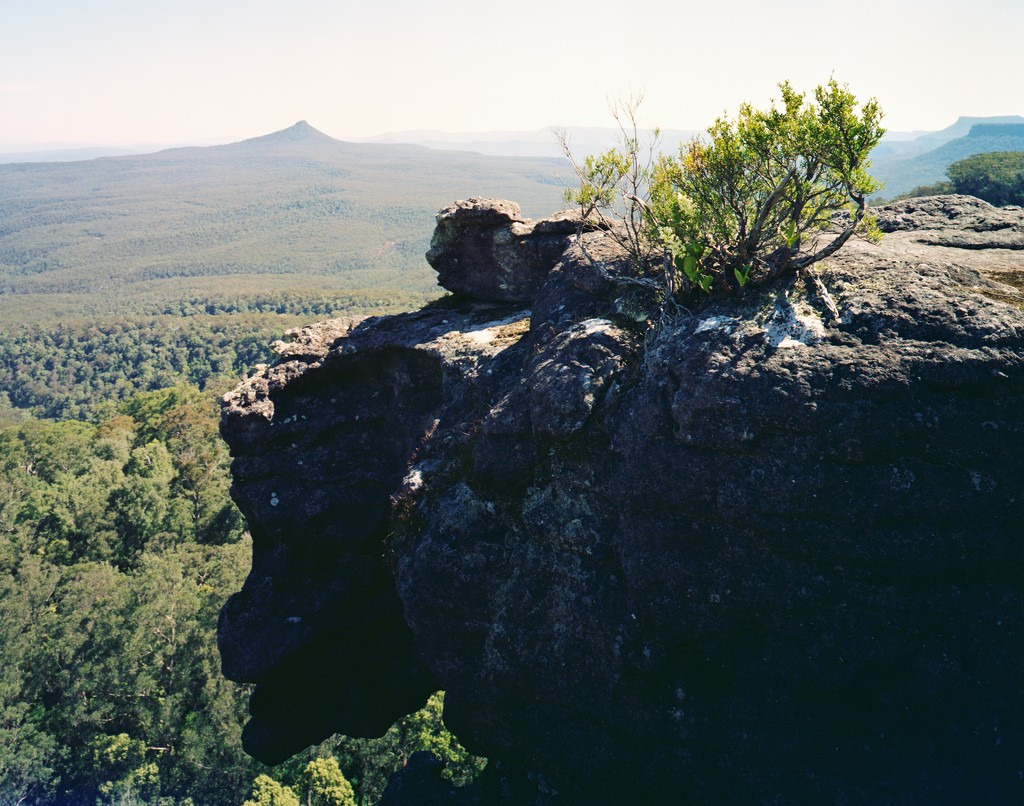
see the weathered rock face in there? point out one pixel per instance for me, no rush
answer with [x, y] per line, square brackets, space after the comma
[768, 553]
[484, 249]
[962, 222]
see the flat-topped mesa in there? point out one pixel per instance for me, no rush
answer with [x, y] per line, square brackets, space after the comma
[484, 249]
[771, 551]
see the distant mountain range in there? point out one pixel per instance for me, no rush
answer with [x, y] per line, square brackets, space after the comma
[72, 153]
[518, 143]
[292, 209]
[299, 209]
[539, 143]
[902, 161]
[903, 165]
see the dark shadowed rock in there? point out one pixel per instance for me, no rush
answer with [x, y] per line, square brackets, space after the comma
[484, 249]
[420, 782]
[769, 552]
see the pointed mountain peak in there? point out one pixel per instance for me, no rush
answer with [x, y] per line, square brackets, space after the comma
[299, 133]
[301, 130]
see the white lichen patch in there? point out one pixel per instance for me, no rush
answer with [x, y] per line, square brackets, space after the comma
[485, 336]
[901, 478]
[724, 323]
[592, 326]
[794, 325]
[413, 480]
[490, 339]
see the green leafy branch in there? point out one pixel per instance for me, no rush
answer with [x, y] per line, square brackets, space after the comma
[765, 195]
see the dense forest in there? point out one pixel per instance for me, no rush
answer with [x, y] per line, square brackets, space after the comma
[134, 292]
[67, 369]
[118, 546]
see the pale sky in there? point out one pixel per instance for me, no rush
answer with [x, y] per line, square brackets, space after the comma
[129, 71]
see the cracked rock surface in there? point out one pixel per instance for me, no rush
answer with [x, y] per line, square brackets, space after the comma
[769, 552]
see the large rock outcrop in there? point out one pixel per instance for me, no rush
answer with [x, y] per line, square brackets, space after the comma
[767, 552]
[484, 249]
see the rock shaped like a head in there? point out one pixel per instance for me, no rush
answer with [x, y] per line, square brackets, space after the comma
[765, 552]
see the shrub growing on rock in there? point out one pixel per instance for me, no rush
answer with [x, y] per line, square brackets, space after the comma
[758, 199]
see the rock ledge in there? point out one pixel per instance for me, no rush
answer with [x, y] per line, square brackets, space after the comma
[766, 553]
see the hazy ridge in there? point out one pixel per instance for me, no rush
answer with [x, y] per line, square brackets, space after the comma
[905, 165]
[215, 221]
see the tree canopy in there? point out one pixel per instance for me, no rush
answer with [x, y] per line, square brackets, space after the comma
[995, 176]
[118, 546]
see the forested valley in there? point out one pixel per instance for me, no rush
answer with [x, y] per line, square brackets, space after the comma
[134, 293]
[73, 369]
[118, 546]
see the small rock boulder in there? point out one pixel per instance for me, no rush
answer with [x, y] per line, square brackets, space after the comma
[486, 250]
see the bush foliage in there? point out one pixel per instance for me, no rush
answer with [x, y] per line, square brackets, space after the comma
[756, 200]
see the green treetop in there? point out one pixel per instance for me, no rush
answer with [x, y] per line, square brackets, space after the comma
[995, 176]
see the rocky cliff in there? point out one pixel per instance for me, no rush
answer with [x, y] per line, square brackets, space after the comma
[766, 552]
